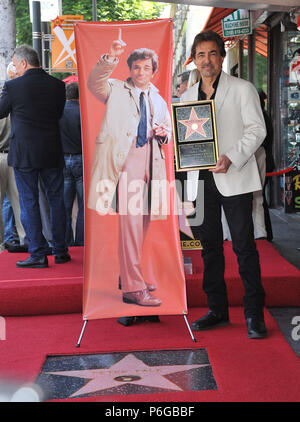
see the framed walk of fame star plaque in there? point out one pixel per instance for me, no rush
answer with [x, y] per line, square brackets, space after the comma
[195, 135]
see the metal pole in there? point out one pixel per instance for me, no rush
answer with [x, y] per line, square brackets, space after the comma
[94, 10]
[189, 328]
[241, 59]
[45, 45]
[36, 28]
[81, 334]
[251, 57]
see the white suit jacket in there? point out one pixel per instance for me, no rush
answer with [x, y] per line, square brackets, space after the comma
[240, 130]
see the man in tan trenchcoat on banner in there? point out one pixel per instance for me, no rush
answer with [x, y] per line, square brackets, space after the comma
[129, 160]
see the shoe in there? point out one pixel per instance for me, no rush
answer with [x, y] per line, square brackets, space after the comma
[150, 287]
[142, 298]
[150, 318]
[126, 321]
[62, 259]
[210, 320]
[31, 262]
[256, 328]
[15, 247]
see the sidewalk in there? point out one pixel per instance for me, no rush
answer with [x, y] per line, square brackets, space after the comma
[286, 240]
[286, 234]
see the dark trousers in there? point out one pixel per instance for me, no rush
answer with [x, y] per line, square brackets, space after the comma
[238, 211]
[268, 222]
[27, 184]
[73, 185]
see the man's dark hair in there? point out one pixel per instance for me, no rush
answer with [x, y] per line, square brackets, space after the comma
[143, 54]
[184, 76]
[208, 36]
[28, 53]
[72, 91]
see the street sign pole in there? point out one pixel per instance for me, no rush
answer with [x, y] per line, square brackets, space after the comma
[94, 10]
[36, 28]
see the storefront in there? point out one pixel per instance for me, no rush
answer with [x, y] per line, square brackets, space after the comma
[285, 98]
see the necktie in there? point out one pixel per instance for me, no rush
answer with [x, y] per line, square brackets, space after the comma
[142, 128]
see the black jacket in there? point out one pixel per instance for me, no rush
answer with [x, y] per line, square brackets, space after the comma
[70, 128]
[35, 102]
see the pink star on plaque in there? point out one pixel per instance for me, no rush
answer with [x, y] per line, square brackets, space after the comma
[194, 124]
[127, 370]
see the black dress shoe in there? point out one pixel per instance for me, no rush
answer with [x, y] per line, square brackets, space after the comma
[62, 259]
[31, 262]
[126, 321]
[256, 328]
[210, 320]
[150, 318]
[16, 247]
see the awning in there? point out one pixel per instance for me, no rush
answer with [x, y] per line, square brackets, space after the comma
[214, 19]
[214, 23]
[271, 5]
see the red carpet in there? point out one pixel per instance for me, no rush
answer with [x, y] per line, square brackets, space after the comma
[53, 290]
[58, 289]
[280, 279]
[245, 370]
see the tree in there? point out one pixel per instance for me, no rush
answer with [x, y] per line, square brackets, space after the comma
[7, 35]
[107, 10]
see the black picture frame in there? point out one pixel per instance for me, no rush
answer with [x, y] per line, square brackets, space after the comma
[195, 135]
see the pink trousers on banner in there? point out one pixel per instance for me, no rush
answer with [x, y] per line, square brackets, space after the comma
[134, 216]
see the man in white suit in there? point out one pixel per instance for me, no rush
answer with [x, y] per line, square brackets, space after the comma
[241, 130]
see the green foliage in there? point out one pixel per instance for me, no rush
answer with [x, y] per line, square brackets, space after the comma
[114, 10]
[23, 24]
[261, 71]
[107, 10]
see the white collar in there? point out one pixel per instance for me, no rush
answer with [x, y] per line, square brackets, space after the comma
[139, 90]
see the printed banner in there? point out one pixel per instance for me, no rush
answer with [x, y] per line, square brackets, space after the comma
[133, 260]
[63, 44]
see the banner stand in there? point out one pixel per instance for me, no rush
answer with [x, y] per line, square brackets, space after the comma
[81, 334]
[189, 328]
[86, 321]
[103, 162]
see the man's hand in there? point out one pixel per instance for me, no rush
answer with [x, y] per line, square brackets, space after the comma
[118, 46]
[222, 165]
[188, 207]
[159, 130]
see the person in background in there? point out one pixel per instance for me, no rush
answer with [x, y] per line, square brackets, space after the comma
[70, 132]
[182, 83]
[35, 102]
[12, 232]
[270, 163]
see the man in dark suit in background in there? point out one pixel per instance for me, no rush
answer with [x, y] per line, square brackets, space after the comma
[35, 102]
